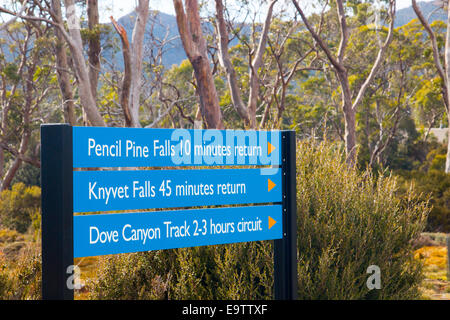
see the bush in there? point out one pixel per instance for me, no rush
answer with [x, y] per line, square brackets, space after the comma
[213, 272]
[436, 184]
[349, 220]
[27, 278]
[4, 279]
[21, 279]
[233, 271]
[8, 236]
[18, 206]
[131, 276]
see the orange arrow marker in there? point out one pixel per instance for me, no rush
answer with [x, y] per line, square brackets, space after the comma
[270, 185]
[270, 148]
[271, 222]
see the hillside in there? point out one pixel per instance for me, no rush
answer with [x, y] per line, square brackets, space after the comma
[405, 15]
[163, 25]
[160, 24]
[175, 53]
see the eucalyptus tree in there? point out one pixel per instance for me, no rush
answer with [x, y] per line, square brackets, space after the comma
[390, 99]
[194, 43]
[256, 52]
[442, 63]
[26, 84]
[339, 61]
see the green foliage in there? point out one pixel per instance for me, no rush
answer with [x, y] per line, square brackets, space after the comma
[29, 175]
[349, 220]
[8, 236]
[406, 150]
[196, 274]
[436, 184]
[213, 272]
[4, 280]
[429, 178]
[21, 279]
[132, 276]
[18, 206]
[241, 279]
[435, 159]
[225, 272]
[10, 72]
[27, 278]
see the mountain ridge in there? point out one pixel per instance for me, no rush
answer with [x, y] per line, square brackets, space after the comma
[162, 25]
[175, 53]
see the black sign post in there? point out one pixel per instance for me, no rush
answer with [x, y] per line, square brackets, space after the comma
[285, 249]
[57, 211]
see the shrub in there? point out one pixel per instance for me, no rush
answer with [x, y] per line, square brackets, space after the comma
[436, 184]
[232, 271]
[4, 279]
[213, 272]
[27, 279]
[21, 279]
[349, 220]
[132, 276]
[18, 206]
[8, 236]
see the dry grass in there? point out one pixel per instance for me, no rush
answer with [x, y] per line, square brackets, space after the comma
[436, 285]
[89, 268]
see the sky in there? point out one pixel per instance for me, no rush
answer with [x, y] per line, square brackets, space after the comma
[122, 7]
[119, 8]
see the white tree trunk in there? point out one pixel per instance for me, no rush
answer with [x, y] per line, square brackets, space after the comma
[225, 61]
[447, 77]
[447, 162]
[76, 46]
[137, 44]
[194, 44]
[256, 65]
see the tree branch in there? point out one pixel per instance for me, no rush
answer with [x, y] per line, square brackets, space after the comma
[225, 61]
[379, 58]
[318, 39]
[126, 81]
[434, 45]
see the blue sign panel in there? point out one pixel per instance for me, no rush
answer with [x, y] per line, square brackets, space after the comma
[138, 147]
[134, 232]
[145, 189]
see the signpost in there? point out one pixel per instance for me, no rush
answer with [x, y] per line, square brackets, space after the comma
[184, 170]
